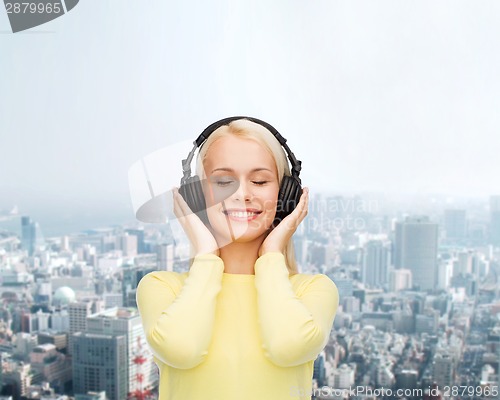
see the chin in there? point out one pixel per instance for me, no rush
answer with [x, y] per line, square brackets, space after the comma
[242, 231]
[241, 234]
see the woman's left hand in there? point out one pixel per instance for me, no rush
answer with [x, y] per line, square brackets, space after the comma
[278, 238]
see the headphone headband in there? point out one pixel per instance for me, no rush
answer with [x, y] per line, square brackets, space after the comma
[186, 163]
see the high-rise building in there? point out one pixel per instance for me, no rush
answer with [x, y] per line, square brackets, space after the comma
[455, 224]
[60, 320]
[343, 376]
[443, 369]
[18, 375]
[127, 244]
[376, 260]
[100, 363]
[139, 233]
[165, 253]
[301, 245]
[127, 322]
[416, 249]
[384, 375]
[51, 366]
[427, 322]
[31, 235]
[445, 273]
[131, 276]
[400, 279]
[319, 369]
[78, 313]
[464, 263]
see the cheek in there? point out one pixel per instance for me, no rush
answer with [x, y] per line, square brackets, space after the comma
[213, 214]
[208, 193]
[270, 199]
[215, 195]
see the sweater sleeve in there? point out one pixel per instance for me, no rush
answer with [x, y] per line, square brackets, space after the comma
[294, 329]
[179, 328]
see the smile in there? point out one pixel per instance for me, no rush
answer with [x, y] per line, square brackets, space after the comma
[242, 215]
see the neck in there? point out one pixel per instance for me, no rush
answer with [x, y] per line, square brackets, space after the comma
[240, 258]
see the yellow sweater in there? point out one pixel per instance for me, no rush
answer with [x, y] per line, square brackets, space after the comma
[221, 336]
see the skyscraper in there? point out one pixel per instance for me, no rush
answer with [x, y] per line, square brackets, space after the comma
[139, 233]
[126, 321]
[416, 249]
[455, 224]
[376, 260]
[128, 244]
[31, 235]
[100, 363]
[165, 254]
[131, 277]
[443, 369]
[78, 312]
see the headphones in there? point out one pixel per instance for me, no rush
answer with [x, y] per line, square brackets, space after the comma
[290, 188]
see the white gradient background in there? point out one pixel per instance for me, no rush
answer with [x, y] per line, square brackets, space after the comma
[387, 96]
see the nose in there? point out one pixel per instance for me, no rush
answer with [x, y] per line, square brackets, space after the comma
[244, 191]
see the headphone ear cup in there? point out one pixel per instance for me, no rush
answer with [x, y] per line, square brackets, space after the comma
[288, 198]
[192, 193]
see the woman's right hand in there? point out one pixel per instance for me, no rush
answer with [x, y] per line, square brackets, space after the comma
[197, 232]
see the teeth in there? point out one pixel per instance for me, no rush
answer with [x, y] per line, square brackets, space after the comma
[241, 214]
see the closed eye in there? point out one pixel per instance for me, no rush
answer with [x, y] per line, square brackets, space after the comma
[260, 182]
[224, 183]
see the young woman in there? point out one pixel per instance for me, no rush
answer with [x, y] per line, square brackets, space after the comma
[243, 323]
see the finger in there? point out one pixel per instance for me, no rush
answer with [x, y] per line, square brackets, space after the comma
[306, 203]
[292, 221]
[190, 221]
[180, 211]
[187, 222]
[176, 208]
[182, 204]
[301, 210]
[303, 200]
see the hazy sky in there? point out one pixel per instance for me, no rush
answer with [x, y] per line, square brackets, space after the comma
[371, 95]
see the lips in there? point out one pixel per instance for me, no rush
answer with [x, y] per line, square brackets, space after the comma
[242, 212]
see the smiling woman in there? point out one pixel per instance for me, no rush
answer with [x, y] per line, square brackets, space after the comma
[245, 154]
[245, 217]
[243, 323]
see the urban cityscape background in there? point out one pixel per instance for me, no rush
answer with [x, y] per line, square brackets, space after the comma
[386, 96]
[418, 283]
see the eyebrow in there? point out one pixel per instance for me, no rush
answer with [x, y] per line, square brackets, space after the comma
[232, 170]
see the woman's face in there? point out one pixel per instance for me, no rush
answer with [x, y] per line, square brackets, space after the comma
[244, 174]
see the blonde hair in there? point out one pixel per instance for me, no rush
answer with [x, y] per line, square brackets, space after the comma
[247, 129]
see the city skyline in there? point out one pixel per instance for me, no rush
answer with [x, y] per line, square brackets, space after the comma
[71, 222]
[396, 328]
